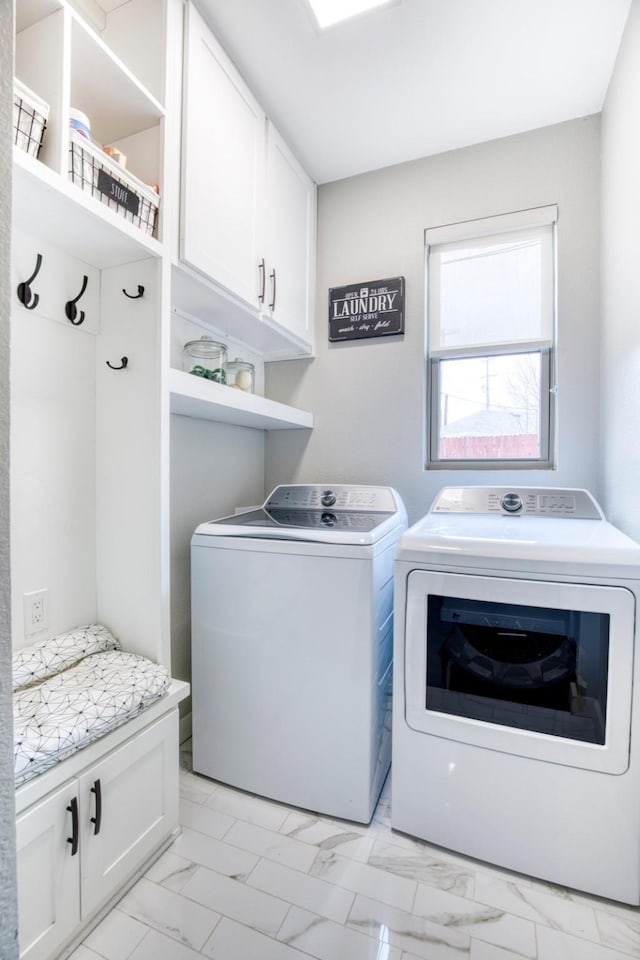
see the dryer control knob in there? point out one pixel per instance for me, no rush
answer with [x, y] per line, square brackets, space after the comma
[327, 498]
[511, 502]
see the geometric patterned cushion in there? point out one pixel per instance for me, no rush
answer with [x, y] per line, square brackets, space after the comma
[51, 656]
[55, 718]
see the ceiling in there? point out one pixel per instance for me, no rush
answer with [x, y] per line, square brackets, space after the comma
[420, 76]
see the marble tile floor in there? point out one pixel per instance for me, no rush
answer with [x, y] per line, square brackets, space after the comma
[249, 879]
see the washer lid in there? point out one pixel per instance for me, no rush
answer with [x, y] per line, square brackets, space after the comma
[338, 513]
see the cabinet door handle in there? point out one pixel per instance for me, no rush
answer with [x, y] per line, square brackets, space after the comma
[73, 839]
[263, 280]
[97, 820]
[272, 277]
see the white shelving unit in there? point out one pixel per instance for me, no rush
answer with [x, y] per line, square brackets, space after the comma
[91, 436]
[207, 400]
[89, 446]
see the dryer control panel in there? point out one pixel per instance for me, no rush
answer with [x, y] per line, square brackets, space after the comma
[518, 501]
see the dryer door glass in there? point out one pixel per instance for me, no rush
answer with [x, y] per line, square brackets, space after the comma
[535, 668]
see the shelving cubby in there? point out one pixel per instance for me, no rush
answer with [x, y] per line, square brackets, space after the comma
[69, 65]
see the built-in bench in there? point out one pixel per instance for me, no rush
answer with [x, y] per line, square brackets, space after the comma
[96, 768]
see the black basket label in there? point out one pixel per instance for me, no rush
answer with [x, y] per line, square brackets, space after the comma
[119, 193]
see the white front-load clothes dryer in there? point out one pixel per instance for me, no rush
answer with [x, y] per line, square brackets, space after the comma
[516, 731]
[292, 644]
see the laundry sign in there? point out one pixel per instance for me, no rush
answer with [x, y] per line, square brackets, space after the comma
[371, 309]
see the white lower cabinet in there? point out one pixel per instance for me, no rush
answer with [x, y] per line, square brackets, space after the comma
[48, 875]
[79, 845]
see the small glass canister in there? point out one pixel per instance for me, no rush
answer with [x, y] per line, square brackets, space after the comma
[240, 375]
[205, 358]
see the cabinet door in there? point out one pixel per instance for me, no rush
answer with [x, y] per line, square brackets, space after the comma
[222, 167]
[48, 875]
[129, 804]
[290, 224]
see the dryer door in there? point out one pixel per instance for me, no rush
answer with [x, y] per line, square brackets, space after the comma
[537, 669]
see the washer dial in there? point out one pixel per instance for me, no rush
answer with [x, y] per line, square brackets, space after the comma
[511, 502]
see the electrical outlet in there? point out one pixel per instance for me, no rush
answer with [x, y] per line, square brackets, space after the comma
[36, 612]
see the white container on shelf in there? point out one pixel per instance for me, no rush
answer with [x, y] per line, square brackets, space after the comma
[241, 375]
[30, 115]
[80, 121]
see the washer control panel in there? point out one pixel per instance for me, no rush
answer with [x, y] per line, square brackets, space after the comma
[518, 501]
[336, 496]
[511, 502]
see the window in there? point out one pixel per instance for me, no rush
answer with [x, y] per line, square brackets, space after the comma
[490, 341]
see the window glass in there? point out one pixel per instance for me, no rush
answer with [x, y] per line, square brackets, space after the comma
[490, 341]
[490, 407]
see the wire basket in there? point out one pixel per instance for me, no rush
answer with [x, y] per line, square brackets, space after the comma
[30, 115]
[95, 172]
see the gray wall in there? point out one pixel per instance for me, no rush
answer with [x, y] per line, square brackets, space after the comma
[214, 469]
[367, 396]
[621, 285]
[8, 900]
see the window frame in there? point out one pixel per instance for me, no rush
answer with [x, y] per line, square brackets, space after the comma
[468, 231]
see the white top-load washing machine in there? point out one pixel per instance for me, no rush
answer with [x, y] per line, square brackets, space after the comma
[292, 642]
[516, 738]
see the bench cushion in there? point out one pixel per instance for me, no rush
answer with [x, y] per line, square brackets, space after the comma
[59, 715]
[51, 656]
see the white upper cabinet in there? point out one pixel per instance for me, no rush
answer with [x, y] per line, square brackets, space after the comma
[290, 240]
[247, 222]
[223, 161]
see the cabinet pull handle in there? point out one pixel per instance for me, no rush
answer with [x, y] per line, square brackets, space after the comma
[263, 280]
[73, 839]
[97, 820]
[272, 277]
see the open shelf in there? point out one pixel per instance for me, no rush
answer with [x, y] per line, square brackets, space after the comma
[105, 89]
[206, 400]
[61, 213]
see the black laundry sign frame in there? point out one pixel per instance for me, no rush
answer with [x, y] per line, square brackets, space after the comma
[360, 311]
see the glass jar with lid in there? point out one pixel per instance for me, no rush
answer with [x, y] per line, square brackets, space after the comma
[205, 358]
[240, 375]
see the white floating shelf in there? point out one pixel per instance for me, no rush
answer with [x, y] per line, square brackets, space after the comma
[207, 400]
[51, 207]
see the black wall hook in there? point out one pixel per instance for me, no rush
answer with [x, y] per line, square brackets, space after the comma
[25, 292]
[70, 307]
[123, 363]
[134, 296]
